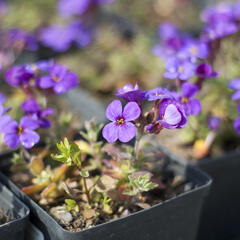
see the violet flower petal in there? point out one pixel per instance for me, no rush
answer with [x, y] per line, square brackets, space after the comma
[236, 95]
[114, 110]
[195, 106]
[172, 115]
[126, 132]
[235, 84]
[11, 139]
[29, 138]
[29, 123]
[189, 89]
[110, 132]
[131, 111]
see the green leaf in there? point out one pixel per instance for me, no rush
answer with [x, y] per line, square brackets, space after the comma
[71, 204]
[84, 174]
[69, 153]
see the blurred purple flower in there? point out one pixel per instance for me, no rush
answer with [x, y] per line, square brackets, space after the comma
[177, 69]
[195, 50]
[214, 122]
[60, 79]
[130, 93]
[82, 35]
[171, 114]
[204, 70]
[191, 105]
[19, 75]
[121, 126]
[18, 36]
[219, 30]
[15, 134]
[218, 13]
[59, 37]
[157, 93]
[2, 98]
[236, 125]
[235, 85]
[236, 11]
[33, 110]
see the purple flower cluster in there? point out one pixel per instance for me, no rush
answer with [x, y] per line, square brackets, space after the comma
[67, 35]
[167, 112]
[33, 79]
[53, 76]
[221, 19]
[77, 30]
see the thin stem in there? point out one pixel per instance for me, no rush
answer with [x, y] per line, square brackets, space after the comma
[136, 147]
[86, 191]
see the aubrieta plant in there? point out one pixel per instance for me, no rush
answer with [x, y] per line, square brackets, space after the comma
[38, 81]
[191, 61]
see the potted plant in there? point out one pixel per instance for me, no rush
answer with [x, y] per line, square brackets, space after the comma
[13, 215]
[95, 188]
[209, 140]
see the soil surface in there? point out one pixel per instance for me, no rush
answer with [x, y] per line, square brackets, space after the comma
[169, 183]
[4, 218]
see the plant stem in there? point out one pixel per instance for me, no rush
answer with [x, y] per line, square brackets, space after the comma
[86, 191]
[136, 146]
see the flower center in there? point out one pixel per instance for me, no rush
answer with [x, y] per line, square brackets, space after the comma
[194, 50]
[159, 95]
[19, 130]
[32, 81]
[180, 69]
[185, 100]
[55, 78]
[120, 121]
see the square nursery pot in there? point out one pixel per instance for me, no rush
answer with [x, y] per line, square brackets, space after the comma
[220, 217]
[33, 233]
[15, 209]
[174, 219]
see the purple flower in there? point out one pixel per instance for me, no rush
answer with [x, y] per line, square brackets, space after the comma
[191, 105]
[19, 76]
[219, 30]
[214, 122]
[121, 126]
[82, 36]
[219, 13]
[236, 11]
[177, 69]
[204, 70]
[157, 93]
[32, 109]
[195, 50]
[17, 37]
[4, 120]
[130, 93]
[60, 79]
[167, 30]
[2, 98]
[72, 7]
[235, 85]
[23, 133]
[171, 114]
[58, 37]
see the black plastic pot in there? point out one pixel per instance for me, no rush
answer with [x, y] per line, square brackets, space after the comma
[15, 209]
[33, 233]
[220, 217]
[176, 218]
[221, 211]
